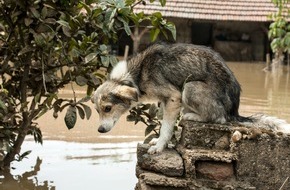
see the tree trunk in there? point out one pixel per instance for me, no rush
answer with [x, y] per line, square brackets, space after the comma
[16, 148]
[278, 60]
[26, 121]
[136, 37]
[136, 40]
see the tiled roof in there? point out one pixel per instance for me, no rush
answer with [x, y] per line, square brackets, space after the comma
[228, 10]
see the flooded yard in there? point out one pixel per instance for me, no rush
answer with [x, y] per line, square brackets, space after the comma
[82, 158]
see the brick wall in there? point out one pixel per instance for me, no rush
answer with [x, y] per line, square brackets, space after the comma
[217, 157]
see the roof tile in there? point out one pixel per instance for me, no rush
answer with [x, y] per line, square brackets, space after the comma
[234, 10]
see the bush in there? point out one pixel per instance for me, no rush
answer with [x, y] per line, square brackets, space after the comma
[48, 44]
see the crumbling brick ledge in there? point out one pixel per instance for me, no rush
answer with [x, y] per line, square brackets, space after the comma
[212, 156]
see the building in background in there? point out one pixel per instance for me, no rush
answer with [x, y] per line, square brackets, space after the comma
[237, 29]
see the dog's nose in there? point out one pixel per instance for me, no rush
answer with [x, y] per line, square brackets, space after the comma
[102, 129]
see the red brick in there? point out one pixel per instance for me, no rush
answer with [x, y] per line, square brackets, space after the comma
[218, 171]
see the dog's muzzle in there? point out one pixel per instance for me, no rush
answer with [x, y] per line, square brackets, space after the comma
[102, 129]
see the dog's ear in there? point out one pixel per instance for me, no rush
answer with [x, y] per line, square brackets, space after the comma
[126, 92]
[93, 97]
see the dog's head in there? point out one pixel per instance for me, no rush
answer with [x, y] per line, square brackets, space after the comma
[111, 100]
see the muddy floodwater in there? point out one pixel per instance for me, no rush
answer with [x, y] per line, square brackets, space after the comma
[81, 158]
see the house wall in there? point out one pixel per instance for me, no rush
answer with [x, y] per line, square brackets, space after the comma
[235, 41]
[235, 46]
[183, 29]
[247, 36]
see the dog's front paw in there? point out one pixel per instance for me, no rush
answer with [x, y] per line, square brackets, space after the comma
[153, 141]
[155, 149]
[191, 117]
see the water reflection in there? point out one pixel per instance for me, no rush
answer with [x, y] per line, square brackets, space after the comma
[74, 166]
[25, 181]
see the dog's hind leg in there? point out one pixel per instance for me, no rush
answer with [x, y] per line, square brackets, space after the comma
[201, 102]
[171, 109]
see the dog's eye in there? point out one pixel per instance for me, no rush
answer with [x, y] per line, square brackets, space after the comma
[107, 109]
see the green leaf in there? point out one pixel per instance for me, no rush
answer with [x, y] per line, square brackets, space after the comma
[113, 13]
[105, 61]
[150, 137]
[44, 110]
[86, 7]
[70, 117]
[126, 11]
[171, 27]
[88, 111]
[149, 129]
[25, 50]
[131, 118]
[108, 15]
[120, 4]
[125, 24]
[164, 34]
[34, 12]
[81, 81]
[84, 99]
[44, 12]
[127, 28]
[162, 2]
[129, 2]
[146, 106]
[157, 15]
[66, 31]
[3, 106]
[63, 23]
[94, 81]
[90, 90]
[103, 48]
[111, 25]
[154, 34]
[39, 40]
[56, 105]
[50, 21]
[81, 112]
[24, 155]
[49, 99]
[28, 21]
[37, 97]
[273, 25]
[113, 60]
[90, 57]
[37, 135]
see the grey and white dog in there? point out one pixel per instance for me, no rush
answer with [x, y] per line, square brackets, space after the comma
[183, 77]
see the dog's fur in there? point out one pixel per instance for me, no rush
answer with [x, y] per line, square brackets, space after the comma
[183, 77]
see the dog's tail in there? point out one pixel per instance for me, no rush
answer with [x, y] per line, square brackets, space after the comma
[266, 122]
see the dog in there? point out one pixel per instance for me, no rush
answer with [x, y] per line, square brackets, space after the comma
[185, 78]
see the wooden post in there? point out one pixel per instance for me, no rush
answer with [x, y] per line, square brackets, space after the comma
[268, 62]
[126, 52]
[288, 69]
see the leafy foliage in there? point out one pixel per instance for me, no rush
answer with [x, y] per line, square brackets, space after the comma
[49, 44]
[279, 29]
[150, 115]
